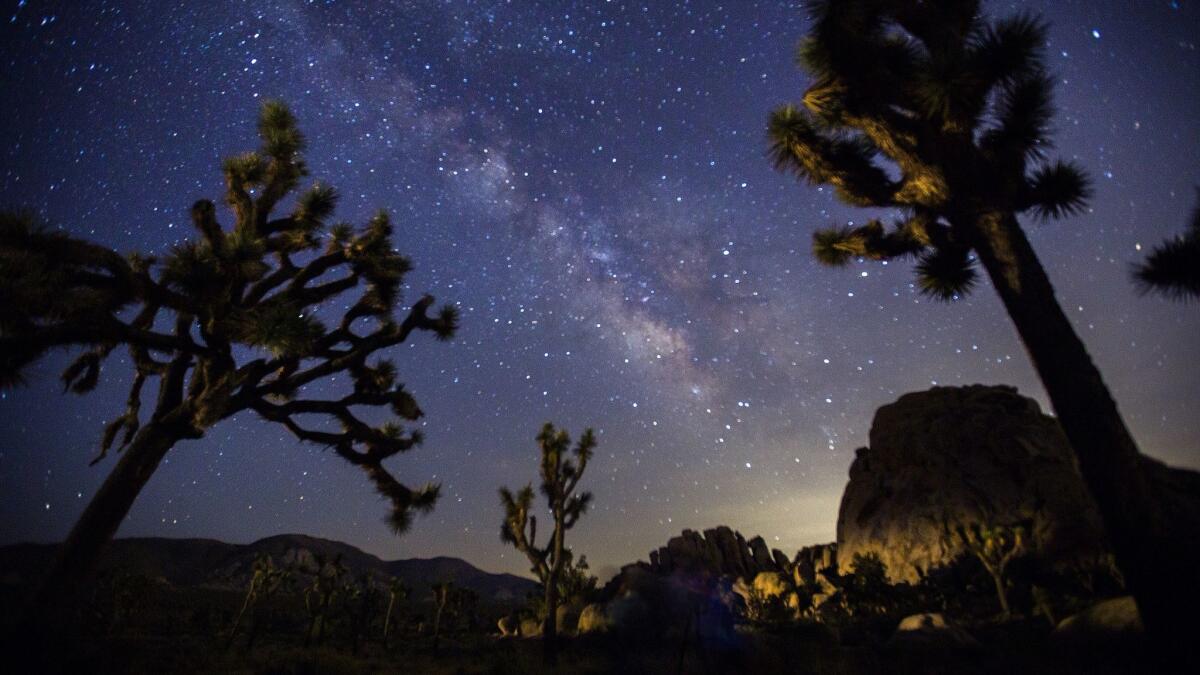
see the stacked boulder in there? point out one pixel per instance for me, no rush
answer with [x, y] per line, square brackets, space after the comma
[720, 552]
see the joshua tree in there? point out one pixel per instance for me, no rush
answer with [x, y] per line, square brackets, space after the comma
[362, 603]
[995, 546]
[321, 596]
[1173, 267]
[397, 592]
[560, 476]
[443, 593]
[225, 323]
[927, 109]
[266, 579]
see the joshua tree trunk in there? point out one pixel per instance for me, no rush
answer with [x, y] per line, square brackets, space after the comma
[238, 621]
[77, 559]
[387, 620]
[437, 626]
[1001, 591]
[312, 630]
[550, 632]
[255, 627]
[1155, 564]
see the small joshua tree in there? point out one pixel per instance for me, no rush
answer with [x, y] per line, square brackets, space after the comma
[560, 477]
[226, 323]
[322, 595]
[443, 594]
[397, 592]
[995, 546]
[264, 582]
[362, 600]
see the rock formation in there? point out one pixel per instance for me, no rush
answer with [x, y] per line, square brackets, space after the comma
[951, 457]
[718, 552]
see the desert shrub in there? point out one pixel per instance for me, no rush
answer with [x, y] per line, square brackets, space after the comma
[768, 611]
[962, 588]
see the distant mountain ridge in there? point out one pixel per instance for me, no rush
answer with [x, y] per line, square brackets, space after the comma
[213, 563]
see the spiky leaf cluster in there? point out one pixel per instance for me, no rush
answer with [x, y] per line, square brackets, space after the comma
[930, 109]
[236, 318]
[1173, 267]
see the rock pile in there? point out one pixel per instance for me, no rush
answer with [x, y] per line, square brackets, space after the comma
[718, 552]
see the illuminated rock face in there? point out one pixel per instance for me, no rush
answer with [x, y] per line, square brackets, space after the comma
[954, 456]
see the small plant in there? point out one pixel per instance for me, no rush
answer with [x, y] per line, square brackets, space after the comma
[868, 590]
[575, 585]
[768, 610]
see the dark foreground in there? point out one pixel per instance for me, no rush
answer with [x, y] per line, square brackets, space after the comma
[1008, 648]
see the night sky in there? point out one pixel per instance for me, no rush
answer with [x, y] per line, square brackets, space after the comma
[588, 181]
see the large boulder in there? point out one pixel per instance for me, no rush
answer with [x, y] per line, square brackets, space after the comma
[509, 626]
[952, 457]
[771, 585]
[593, 619]
[567, 617]
[530, 628]
[1116, 617]
[930, 631]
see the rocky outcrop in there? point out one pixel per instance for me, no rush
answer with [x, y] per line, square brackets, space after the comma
[720, 551]
[951, 457]
[811, 561]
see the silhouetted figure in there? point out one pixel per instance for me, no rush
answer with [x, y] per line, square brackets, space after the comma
[958, 108]
[560, 476]
[225, 324]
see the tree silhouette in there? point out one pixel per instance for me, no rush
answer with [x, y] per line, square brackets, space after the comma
[560, 477]
[229, 323]
[397, 592]
[264, 582]
[362, 597]
[1173, 267]
[928, 109]
[443, 595]
[322, 595]
[995, 546]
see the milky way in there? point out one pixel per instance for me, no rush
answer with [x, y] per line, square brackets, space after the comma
[589, 183]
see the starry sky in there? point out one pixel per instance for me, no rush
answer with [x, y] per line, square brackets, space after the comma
[588, 182]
